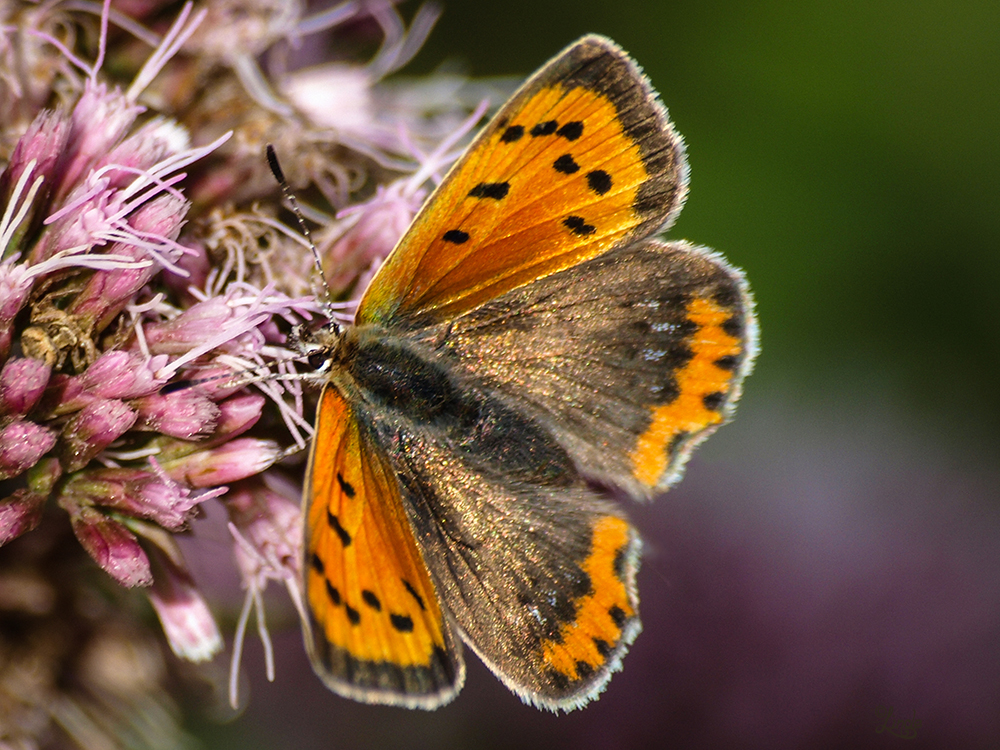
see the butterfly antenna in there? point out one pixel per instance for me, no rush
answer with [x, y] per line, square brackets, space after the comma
[251, 375]
[279, 175]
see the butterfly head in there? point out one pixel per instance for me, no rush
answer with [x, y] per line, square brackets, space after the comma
[320, 348]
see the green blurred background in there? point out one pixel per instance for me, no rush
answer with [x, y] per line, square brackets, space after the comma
[834, 555]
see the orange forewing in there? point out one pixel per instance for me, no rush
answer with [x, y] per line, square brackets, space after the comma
[581, 159]
[368, 589]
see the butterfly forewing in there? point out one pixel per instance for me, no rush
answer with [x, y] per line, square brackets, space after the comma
[581, 159]
[377, 630]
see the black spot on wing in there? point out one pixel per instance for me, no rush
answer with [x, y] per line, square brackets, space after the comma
[618, 615]
[714, 401]
[316, 563]
[333, 593]
[599, 181]
[566, 164]
[456, 236]
[621, 556]
[734, 327]
[571, 130]
[413, 592]
[334, 523]
[578, 226]
[402, 623]
[495, 190]
[345, 486]
[544, 128]
[603, 647]
[584, 670]
[352, 614]
[729, 363]
[371, 600]
[512, 134]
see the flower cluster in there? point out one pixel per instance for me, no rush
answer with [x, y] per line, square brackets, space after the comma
[147, 286]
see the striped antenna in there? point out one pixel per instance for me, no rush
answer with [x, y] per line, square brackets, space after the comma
[248, 374]
[279, 175]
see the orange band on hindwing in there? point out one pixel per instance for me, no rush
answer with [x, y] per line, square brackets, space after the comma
[586, 644]
[701, 385]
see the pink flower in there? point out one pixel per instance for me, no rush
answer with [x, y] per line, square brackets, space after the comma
[22, 383]
[22, 444]
[187, 621]
[185, 414]
[148, 286]
[112, 546]
[235, 460]
[92, 429]
[20, 512]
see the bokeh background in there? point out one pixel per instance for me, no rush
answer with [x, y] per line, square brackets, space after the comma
[828, 573]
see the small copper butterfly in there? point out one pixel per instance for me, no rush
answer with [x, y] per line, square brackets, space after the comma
[525, 340]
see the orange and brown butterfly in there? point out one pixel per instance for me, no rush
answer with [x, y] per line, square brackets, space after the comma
[526, 341]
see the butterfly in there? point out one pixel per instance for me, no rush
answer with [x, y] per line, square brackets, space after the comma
[525, 344]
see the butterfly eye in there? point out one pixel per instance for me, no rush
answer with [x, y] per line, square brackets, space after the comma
[319, 360]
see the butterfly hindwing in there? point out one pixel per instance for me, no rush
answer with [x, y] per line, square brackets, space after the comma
[536, 569]
[377, 632]
[581, 159]
[629, 359]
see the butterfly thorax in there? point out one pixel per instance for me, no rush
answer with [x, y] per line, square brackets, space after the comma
[381, 370]
[398, 384]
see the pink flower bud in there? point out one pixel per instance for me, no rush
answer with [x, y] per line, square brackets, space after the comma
[139, 493]
[185, 414]
[22, 443]
[170, 504]
[93, 429]
[187, 622]
[193, 326]
[161, 217]
[112, 546]
[99, 120]
[155, 141]
[238, 414]
[43, 142]
[118, 374]
[107, 292]
[19, 513]
[22, 383]
[228, 463]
